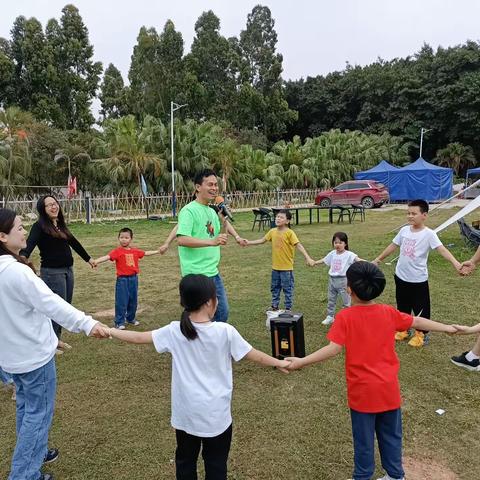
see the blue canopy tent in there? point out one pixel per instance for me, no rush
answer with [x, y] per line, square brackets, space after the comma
[423, 180]
[472, 192]
[473, 171]
[380, 173]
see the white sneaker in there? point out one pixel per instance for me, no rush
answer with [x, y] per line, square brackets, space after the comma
[328, 320]
[120, 327]
[388, 477]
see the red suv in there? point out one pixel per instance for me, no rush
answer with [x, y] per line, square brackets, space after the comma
[367, 193]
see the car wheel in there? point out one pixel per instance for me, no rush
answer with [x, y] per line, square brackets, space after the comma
[325, 202]
[367, 202]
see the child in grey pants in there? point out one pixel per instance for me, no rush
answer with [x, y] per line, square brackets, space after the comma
[339, 259]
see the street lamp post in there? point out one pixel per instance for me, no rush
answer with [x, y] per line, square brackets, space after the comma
[173, 108]
[422, 131]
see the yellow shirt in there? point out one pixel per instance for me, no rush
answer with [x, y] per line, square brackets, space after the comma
[283, 248]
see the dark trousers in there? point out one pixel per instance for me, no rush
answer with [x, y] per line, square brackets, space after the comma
[126, 299]
[60, 281]
[214, 452]
[413, 298]
[388, 428]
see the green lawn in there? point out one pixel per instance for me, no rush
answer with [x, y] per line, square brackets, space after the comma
[113, 404]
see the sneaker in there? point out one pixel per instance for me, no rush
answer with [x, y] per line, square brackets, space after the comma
[461, 361]
[135, 323]
[399, 336]
[418, 339]
[46, 476]
[388, 477]
[120, 327]
[51, 456]
[328, 320]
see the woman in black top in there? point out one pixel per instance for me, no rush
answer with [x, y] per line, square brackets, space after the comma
[54, 239]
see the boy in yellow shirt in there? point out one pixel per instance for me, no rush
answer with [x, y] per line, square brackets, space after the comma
[284, 241]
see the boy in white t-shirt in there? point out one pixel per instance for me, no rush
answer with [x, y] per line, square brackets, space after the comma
[411, 273]
[338, 260]
[202, 383]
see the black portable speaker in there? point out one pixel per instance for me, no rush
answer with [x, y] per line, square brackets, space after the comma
[287, 335]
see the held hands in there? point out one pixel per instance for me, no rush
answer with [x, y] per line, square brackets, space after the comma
[466, 268]
[283, 366]
[295, 363]
[243, 242]
[163, 248]
[92, 263]
[463, 329]
[100, 331]
[310, 261]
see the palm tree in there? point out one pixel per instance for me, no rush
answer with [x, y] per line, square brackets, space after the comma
[456, 156]
[15, 159]
[129, 149]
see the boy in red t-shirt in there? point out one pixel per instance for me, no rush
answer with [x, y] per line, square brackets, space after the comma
[126, 289]
[371, 366]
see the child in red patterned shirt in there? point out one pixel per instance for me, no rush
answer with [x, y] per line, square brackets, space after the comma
[126, 289]
[371, 367]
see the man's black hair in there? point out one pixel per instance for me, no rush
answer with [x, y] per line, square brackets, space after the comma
[199, 176]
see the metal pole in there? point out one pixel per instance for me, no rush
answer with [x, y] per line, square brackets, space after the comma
[174, 206]
[173, 108]
[421, 142]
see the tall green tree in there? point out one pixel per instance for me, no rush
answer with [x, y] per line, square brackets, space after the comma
[7, 68]
[113, 95]
[261, 69]
[77, 76]
[157, 73]
[213, 62]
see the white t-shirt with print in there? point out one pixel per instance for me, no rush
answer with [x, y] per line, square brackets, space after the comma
[339, 263]
[414, 249]
[202, 380]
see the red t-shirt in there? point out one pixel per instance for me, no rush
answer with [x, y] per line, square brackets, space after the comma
[126, 260]
[371, 363]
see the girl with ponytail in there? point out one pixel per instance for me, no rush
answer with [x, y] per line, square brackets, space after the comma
[202, 383]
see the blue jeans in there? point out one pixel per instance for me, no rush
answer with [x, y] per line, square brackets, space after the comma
[388, 428]
[60, 281]
[126, 298]
[35, 404]
[282, 280]
[221, 315]
[5, 377]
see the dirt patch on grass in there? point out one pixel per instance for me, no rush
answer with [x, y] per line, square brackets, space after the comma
[110, 313]
[426, 469]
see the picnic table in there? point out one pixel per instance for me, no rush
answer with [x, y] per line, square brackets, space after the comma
[341, 211]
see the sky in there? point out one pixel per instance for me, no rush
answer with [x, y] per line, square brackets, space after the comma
[314, 36]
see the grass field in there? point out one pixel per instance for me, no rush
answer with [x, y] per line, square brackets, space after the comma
[113, 400]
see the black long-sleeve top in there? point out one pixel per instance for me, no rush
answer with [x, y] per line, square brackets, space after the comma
[54, 252]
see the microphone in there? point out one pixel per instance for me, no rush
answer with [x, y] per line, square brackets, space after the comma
[220, 206]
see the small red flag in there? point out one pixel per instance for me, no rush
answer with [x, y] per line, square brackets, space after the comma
[72, 186]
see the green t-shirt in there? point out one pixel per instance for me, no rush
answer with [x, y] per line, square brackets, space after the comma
[198, 221]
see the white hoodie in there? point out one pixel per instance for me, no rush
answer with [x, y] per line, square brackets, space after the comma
[27, 339]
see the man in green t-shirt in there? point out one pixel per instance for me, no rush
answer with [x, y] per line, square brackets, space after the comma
[200, 233]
